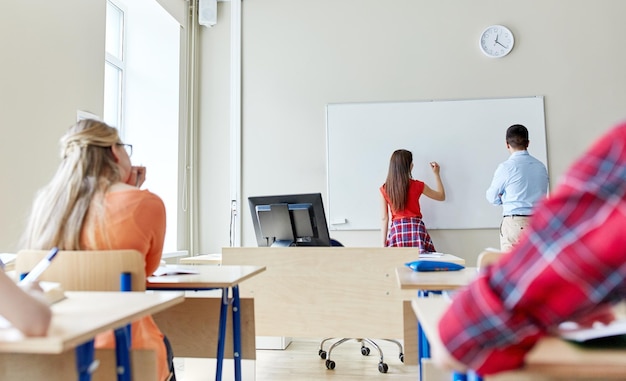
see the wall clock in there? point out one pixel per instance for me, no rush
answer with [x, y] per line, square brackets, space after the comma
[496, 41]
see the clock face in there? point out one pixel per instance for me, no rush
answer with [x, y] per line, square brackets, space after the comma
[496, 41]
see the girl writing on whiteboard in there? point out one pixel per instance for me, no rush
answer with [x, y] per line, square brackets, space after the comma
[400, 199]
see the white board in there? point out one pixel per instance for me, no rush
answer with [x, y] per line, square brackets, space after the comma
[466, 137]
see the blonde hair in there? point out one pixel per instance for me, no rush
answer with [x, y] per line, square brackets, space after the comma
[87, 170]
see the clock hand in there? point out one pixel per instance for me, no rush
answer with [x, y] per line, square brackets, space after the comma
[501, 45]
[497, 35]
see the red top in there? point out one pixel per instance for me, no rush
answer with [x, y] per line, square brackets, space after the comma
[133, 219]
[412, 207]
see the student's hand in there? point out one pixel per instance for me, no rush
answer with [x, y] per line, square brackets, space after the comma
[137, 176]
[603, 315]
[34, 289]
[435, 167]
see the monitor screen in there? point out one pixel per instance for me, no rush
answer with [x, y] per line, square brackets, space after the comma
[289, 220]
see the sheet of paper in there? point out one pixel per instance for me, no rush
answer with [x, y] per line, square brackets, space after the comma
[8, 332]
[164, 270]
[431, 255]
[571, 331]
[7, 260]
[52, 291]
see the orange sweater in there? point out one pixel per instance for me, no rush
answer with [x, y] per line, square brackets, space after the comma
[133, 219]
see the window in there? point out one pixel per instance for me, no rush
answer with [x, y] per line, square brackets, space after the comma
[142, 96]
[114, 66]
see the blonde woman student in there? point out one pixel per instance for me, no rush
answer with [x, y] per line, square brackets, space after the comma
[400, 196]
[93, 202]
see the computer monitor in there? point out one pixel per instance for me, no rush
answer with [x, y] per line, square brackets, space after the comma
[289, 220]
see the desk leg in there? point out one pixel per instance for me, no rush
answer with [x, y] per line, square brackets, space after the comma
[423, 349]
[221, 336]
[85, 360]
[236, 333]
[469, 376]
[459, 376]
[123, 338]
[122, 354]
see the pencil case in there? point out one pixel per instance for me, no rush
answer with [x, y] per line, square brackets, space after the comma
[421, 265]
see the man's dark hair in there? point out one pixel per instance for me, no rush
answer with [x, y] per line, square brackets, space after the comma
[517, 136]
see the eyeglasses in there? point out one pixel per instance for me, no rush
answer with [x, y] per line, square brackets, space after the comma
[127, 147]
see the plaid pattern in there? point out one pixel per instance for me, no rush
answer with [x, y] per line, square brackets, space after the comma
[571, 260]
[409, 232]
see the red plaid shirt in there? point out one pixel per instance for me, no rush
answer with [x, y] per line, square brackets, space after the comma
[571, 259]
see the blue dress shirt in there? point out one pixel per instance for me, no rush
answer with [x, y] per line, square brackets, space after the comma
[518, 184]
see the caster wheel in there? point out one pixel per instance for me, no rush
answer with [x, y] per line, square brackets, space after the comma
[382, 367]
[365, 351]
[330, 364]
[402, 357]
[322, 354]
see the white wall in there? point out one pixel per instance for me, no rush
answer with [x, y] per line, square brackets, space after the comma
[213, 134]
[297, 57]
[300, 55]
[53, 64]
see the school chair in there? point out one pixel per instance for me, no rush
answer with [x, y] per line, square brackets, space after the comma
[99, 270]
[487, 257]
[365, 351]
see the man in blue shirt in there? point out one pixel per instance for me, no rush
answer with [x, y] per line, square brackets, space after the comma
[517, 185]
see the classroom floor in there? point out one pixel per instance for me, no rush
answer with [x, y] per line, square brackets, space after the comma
[300, 361]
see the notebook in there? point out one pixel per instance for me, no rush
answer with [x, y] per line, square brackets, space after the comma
[599, 335]
[165, 270]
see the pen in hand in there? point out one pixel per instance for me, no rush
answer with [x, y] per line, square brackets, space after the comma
[34, 274]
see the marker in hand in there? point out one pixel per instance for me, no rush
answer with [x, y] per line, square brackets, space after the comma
[40, 267]
[434, 166]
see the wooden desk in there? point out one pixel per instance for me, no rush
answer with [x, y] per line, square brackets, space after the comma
[75, 321]
[226, 278]
[206, 277]
[431, 281]
[205, 259]
[331, 292]
[434, 280]
[551, 359]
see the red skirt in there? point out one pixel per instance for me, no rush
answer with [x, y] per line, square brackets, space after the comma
[410, 232]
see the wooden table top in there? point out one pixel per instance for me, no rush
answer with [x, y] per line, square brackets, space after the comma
[82, 315]
[551, 356]
[204, 259]
[434, 280]
[204, 277]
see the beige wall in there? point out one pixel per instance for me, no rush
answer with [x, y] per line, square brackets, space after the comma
[297, 57]
[52, 64]
[300, 55]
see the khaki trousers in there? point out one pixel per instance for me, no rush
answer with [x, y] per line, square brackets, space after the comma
[511, 229]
